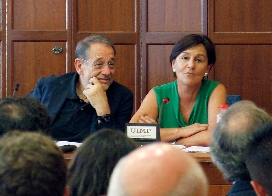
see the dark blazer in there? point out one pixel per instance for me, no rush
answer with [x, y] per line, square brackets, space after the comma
[53, 91]
[241, 188]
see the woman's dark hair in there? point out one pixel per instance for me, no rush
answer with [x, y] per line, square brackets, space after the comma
[94, 160]
[191, 40]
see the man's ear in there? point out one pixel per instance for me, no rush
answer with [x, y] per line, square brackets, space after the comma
[78, 66]
[259, 190]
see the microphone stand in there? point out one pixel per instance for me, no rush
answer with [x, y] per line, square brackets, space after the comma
[164, 101]
[16, 86]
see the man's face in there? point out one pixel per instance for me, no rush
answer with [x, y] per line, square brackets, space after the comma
[101, 64]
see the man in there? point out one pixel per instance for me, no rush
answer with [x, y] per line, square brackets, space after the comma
[259, 161]
[31, 164]
[24, 114]
[158, 169]
[82, 103]
[230, 142]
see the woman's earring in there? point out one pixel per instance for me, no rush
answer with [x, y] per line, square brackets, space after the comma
[174, 70]
[206, 74]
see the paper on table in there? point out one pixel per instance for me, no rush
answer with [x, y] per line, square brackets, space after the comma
[199, 149]
[180, 146]
[64, 143]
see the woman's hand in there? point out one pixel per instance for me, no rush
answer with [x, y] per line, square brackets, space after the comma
[196, 134]
[192, 129]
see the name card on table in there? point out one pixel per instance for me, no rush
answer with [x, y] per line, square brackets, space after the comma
[143, 133]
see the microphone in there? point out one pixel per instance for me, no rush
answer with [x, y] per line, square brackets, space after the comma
[164, 101]
[16, 87]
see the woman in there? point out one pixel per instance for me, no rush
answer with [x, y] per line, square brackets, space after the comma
[190, 116]
[93, 162]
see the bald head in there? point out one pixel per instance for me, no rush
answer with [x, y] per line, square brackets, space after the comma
[158, 169]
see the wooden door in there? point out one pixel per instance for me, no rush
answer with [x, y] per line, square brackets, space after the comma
[34, 29]
[242, 32]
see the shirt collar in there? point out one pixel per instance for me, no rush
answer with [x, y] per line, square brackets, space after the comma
[71, 94]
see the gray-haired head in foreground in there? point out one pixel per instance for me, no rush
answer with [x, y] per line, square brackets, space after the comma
[259, 159]
[24, 114]
[231, 137]
[31, 164]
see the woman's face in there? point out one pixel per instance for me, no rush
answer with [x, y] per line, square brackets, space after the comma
[191, 65]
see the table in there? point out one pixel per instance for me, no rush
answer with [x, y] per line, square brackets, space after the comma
[217, 185]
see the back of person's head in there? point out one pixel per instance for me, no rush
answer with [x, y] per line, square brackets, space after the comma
[93, 162]
[24, 114]
[31, 164]
[192, 40]
[83, 46]
[259, 160]
[231, 136]
[158, 169]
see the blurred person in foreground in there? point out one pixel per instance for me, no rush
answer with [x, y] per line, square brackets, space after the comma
[83, 102]
[259, 161]
[31, 165]
[190, 115]
[93, 162]
[230, 142]
[24, 114]
[158, 169]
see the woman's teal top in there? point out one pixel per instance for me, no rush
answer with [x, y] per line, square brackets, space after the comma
[171, 116]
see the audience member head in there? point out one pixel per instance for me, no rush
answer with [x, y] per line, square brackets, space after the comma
[231, 137]
[158, 169]
[24, 114]
[31, 164]
[94, 160]
[259, 160]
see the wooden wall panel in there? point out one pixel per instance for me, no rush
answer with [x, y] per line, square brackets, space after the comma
[164, 23]
[171, 16]
[246, 71]
[2, 45]
[157, 72]
[119, 21]
[244, 16]
[36, 15]
[242, 32]
[106, 15]
[239, 22]
[29, 63]
[35, 27]
[125, 72]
